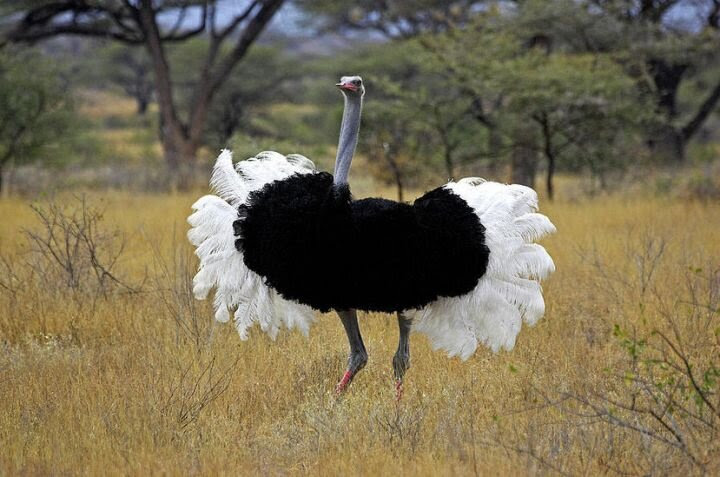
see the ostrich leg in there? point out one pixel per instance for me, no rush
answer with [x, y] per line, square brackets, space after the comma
[358, 355]
[401, 360]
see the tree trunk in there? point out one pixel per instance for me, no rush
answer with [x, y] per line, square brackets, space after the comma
[7, 172]
[179, 153]
[176, 146]
[667, 78]
[706, 108]
[550, 175]
[524, 154]
[667, 144]
[180, 143]
[399, 185]
[142, 105]
[523, 166]
[494, 139]
[549, 152]
[182, 140]
[449, 166]
[396, 172]
[7, 166]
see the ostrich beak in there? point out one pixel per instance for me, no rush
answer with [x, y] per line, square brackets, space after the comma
[346, 86]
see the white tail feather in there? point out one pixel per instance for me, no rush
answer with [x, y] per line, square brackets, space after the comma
[509, 292]
[222, 266]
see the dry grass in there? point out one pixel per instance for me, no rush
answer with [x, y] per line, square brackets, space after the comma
[99, 105]
[144, 382]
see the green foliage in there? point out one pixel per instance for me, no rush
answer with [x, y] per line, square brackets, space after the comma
[245, 146]
[633, 346]
[582, 106]
[663, 369]
[36, 111]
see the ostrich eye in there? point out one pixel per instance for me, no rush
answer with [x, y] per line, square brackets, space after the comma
[356, 82]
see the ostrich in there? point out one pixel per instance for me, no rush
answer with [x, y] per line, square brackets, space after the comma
[281, 239]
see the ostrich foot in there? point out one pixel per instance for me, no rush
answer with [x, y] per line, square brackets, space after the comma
[343, 384]
[401, 363]
[356, 362]
[398, 389]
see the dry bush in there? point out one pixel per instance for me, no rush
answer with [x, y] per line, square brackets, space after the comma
[193, 393]
[69, 250]
[664, 387]
[654, 406]
[172, 284]
[69, 264]
[68, 253]
[202, 378]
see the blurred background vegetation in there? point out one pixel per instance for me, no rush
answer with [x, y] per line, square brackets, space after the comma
[142, 94]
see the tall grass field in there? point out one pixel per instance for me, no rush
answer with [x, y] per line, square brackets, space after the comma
[109, 366]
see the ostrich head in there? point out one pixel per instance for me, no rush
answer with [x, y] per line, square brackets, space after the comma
[351, 86]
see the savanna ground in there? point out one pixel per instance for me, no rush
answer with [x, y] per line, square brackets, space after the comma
[110, 367]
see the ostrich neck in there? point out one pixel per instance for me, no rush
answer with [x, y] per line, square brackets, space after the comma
[349, 130]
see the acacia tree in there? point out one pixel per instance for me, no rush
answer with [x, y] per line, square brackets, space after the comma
[672, 55]
[34, 110]
[570, 109]
[268, 76]
[444, 120]
[153, 24]
[579, 106]
[662, 44]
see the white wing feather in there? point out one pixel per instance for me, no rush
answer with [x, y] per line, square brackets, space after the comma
[222, 267]
[509, 292]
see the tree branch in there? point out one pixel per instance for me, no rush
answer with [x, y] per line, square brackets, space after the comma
[118, 23]
[706, 108]
[713, 18]
[215, 78]
[689, 373]
[72, 29]
[39, 23]
[148, 23]
[235, 22]
[175, 36]
[179, 20]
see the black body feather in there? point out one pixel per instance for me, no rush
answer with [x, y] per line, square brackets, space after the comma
[314, 244]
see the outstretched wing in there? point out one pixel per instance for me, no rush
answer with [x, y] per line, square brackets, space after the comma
[239, 290]
[509, 292]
